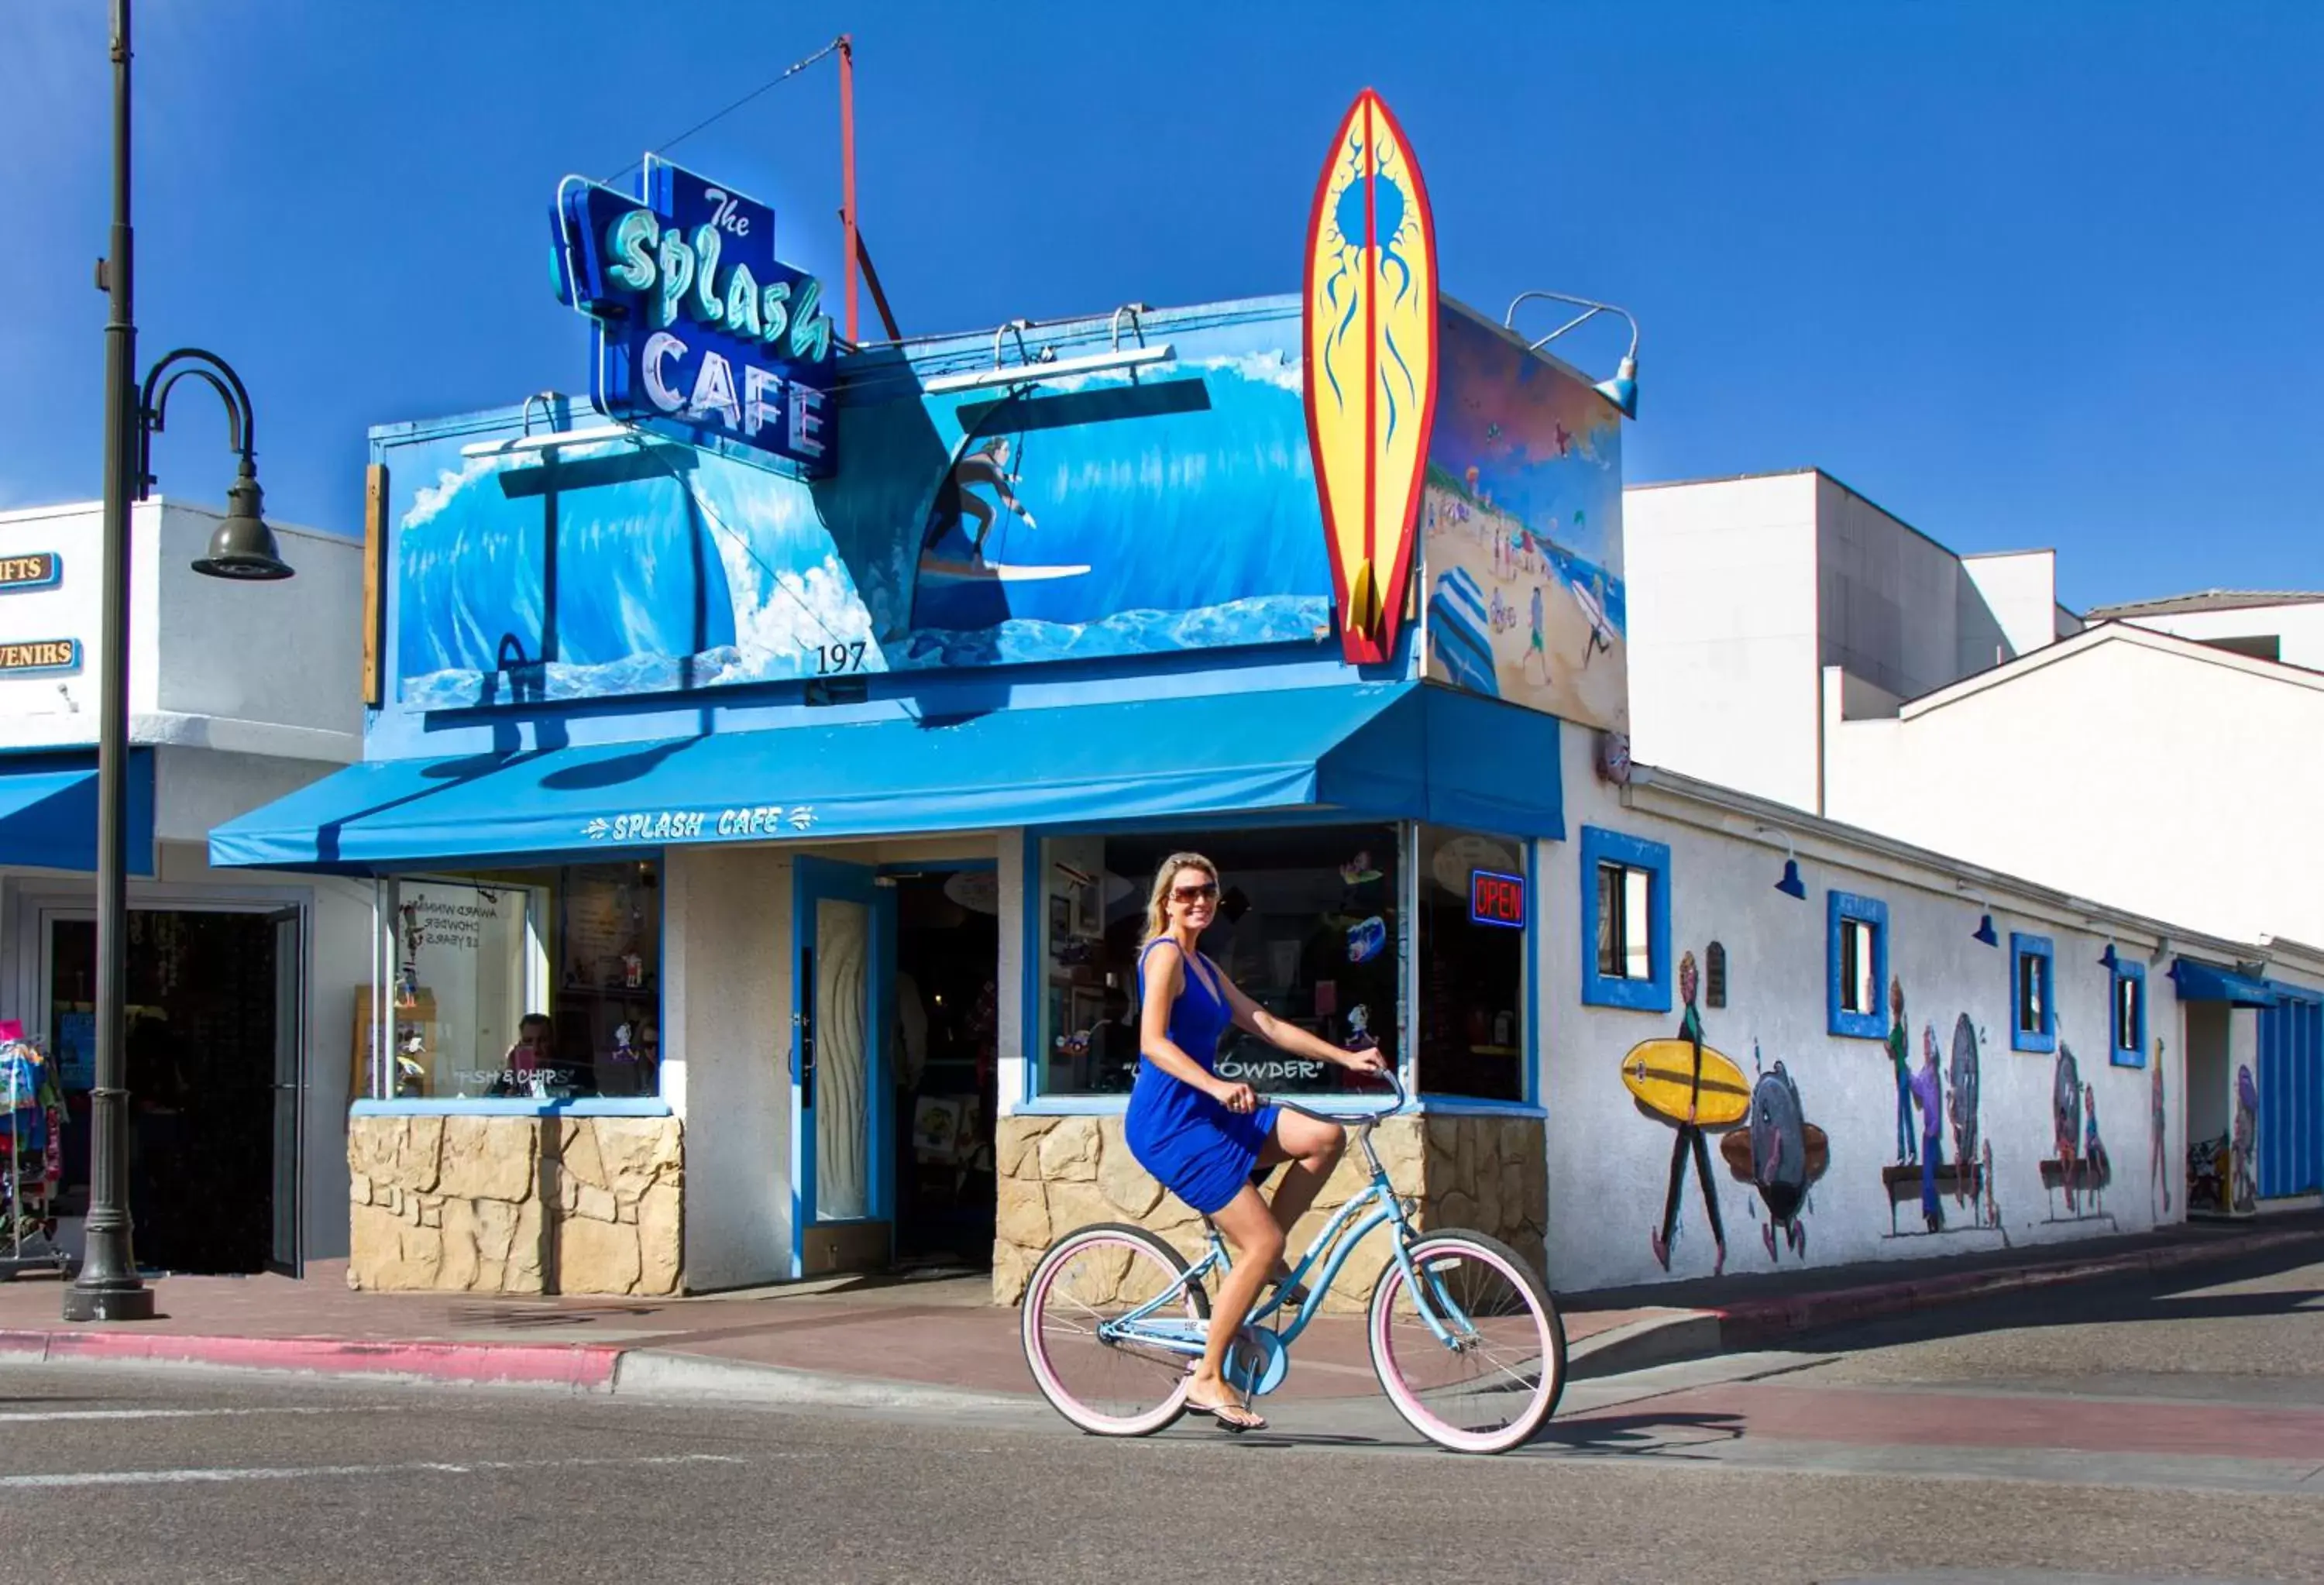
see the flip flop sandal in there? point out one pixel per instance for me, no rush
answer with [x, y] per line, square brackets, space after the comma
[1295, 1296]
[1219, 1413]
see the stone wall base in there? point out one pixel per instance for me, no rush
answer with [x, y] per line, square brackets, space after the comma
[516, 1205]
[1489, 1173]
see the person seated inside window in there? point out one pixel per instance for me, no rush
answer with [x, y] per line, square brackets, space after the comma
[633, 1067]
[525, 1070]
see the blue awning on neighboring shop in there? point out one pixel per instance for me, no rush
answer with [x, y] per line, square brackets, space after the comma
[1390, 750]
[2201, 981]
[48, 810]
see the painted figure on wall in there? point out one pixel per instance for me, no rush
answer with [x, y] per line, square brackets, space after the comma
[1780, 1154]
[1928, 1094]
[1900, 1056]
[2158, 1160]
[1693, 1088]
[2247, 1141]
[2096, 1168]
[2066, 1121]
[1961, 1106]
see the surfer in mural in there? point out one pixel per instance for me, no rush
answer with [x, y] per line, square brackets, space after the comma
[1690, 1137]
[984, 468]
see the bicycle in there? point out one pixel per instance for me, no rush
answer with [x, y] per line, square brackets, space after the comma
[1119, 1312]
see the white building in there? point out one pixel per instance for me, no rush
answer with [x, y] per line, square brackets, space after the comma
[2267, 626]
[238, 693]
[1792, 640]
[1753, 599]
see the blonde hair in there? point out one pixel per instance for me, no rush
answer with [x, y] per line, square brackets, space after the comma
[1158, 904]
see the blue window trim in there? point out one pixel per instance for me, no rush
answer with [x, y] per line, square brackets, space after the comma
[1651, 994]
[516, 1106]
[1839, 907]
[2045, 1038]
[2133, 1055]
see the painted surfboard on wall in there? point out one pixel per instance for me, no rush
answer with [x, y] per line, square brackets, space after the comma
[1370, 367]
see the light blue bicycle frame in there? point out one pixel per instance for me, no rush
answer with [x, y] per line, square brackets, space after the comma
[1184, 1337]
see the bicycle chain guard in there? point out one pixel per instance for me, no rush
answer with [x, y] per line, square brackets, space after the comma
[1257, 1363]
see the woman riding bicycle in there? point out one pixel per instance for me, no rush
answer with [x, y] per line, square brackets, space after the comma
[1201, 1135]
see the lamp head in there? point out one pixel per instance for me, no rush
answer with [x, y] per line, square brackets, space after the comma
[1791, 885]
[244, 547]
[1622, 390]
[1984, 932]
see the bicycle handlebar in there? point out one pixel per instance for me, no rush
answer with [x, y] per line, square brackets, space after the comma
[1352, 1118]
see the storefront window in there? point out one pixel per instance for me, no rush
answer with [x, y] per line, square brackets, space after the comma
[1309, 926]
[542, 984]
[1474, 918]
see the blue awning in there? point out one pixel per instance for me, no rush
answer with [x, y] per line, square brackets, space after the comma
[2201, 981]
[48, 810]
[1387, 751]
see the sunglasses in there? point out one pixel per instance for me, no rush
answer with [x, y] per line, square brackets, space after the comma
[1207, 890]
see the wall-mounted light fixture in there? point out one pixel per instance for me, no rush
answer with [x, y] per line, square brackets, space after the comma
[1622, 390]
[2107, 958]
[1985, 932]
[1791, 885]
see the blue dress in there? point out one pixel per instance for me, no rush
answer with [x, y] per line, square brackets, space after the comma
[1195, 1147]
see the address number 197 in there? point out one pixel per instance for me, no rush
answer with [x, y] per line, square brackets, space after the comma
[830, 659]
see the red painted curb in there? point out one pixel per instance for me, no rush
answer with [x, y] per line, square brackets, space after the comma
[587, 1367]
[1763, 1321]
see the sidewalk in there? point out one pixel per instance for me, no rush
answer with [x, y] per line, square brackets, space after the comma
[885, 1342]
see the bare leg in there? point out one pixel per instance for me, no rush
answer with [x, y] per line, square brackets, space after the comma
[1258, 1244]
[1312, 1148]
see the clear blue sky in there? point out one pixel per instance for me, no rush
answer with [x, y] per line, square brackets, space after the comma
[2023, 274]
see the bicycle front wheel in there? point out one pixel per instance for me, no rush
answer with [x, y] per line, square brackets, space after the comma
[1088, 1284]
[1473, 1357]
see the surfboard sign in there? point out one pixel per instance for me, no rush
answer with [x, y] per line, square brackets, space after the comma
[1369, 336]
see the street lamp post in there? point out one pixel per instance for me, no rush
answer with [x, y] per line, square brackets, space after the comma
[107, 1286]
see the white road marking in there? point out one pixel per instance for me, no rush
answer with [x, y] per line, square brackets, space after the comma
[18, 1417]
[336, 1471]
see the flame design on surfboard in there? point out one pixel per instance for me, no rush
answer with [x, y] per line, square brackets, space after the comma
[1370, 367]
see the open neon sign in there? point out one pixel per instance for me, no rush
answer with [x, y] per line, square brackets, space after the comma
[1496, 900]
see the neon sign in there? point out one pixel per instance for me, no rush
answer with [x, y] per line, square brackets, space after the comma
[699, 329]
[1495, 899]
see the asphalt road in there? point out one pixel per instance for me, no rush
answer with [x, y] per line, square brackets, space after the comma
[2128, 1431]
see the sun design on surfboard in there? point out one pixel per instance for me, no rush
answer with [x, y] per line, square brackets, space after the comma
[1396, 222]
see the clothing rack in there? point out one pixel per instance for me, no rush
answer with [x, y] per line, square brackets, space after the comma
[32, 1158]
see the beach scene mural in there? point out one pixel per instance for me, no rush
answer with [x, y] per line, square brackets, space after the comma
[1114, 512]
[1521, 530]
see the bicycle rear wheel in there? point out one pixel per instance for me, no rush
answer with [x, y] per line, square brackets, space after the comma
[1106, 1385]
[1493, 1380]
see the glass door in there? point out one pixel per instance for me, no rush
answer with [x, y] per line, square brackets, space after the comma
[844, 926]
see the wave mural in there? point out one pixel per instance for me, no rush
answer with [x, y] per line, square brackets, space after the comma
[1104, 514]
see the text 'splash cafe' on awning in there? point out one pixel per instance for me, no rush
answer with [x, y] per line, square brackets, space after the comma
[768, 767]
